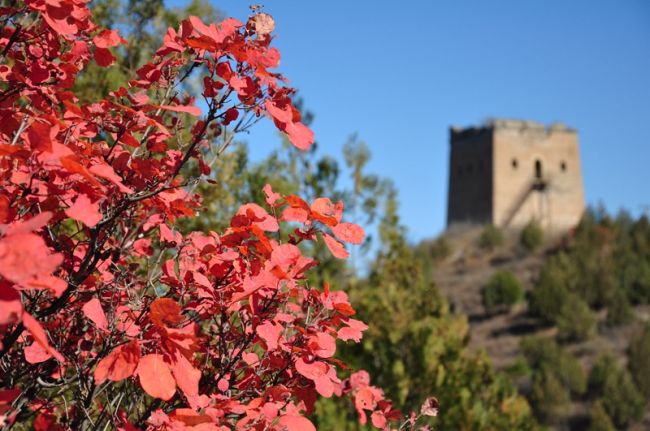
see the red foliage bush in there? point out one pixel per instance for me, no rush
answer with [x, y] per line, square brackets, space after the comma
[109, 317]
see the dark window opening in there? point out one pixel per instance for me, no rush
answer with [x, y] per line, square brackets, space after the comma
[563, 166]
[538, 169]
[470, 169]
[514, 163]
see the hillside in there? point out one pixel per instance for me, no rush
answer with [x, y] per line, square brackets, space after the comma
[467, 267]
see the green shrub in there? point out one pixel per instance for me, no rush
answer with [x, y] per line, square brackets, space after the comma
[518, 368]
[502, 290]
[614, 386]
[550, 292]
[532, 236]
[636, 272]
[598, 418]
[545, 355]
[639, 360]
[434, 250]
[575, 320]
[619, 311]
[491, 238]
[549, 397]
[604, 366]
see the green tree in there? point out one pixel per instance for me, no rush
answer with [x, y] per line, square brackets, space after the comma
[614, 386]
[417, 348]
[544, 355]
[557, 378]
[491, 238]
[620, 311]
[551, 290]
[575, 320]
[599, 420]
[638, 360]
[532, 236]
[502, 290]
[549, 397]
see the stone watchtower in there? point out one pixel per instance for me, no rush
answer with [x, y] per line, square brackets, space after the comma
[509, 172]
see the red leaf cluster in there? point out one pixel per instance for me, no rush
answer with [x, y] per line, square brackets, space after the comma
[99, 292]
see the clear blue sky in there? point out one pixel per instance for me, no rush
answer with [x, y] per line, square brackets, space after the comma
[400, 73]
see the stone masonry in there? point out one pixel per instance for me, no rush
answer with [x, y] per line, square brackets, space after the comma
[509, 172]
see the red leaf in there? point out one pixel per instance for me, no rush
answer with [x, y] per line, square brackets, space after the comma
[155, 377]
[60, 20]
[93, 311]
[283, 115]
[295, 214]
[285, 256]
[296, 423]
[271, 196]
[46, 422]
[204, 167]
[259, 216]
[311, 370]
[85, 211]
[378, 419]
[192, 110]
[35, 354]
[45, 281]
[38, 73]
[299, 135]
[142, 247]
[353, 331]
[323, 345]
[25, 256]
[224, 70]
[349, 232]
[364, 400]
[326, 212]
[119, 364]
[41, 135]
[230, 115]
[103, 57]
[108, 39]
[165, 312]
[8, 150]
[217, 35]
[71, 165]
[335, 247]
[317, 371]
[107, 172]
[297, 202]
[270, 332]
[11, 308]
[244, 86]
[36, 330]
[7, 396]
[187, 377]
[169, 236]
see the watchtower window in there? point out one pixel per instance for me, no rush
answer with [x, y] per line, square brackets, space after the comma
[563, 166]
[514, 163]
[538, 169]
